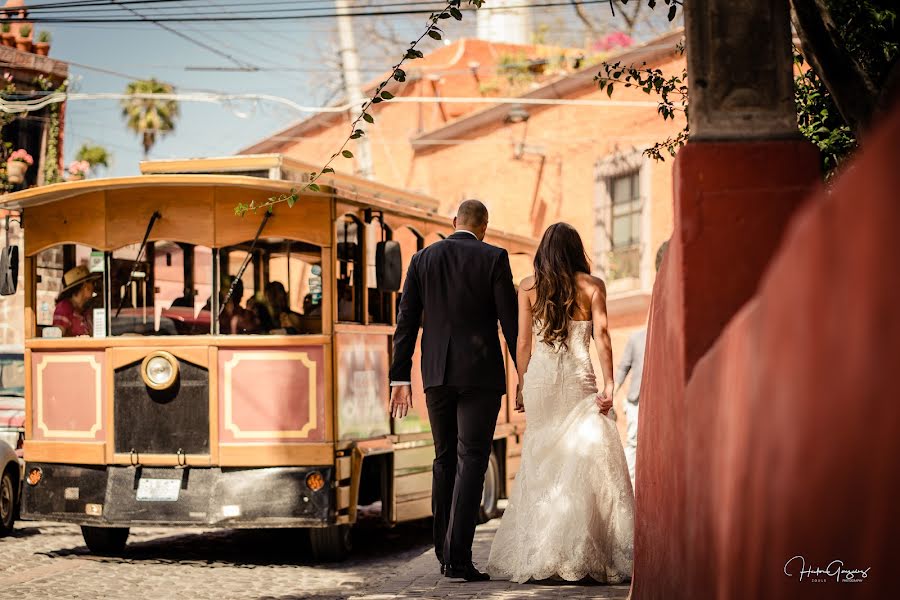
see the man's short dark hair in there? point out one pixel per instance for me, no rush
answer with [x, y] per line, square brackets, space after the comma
[472, 213]
[661, 253]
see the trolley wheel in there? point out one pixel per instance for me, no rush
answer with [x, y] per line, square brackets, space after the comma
[7, 502]
[330, 544]
[490, 496]
[105, 540]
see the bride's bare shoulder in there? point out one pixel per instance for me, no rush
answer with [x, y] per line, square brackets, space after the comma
[527, 284]
[591, 284]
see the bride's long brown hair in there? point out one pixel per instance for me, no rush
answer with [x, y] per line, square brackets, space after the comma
[559, 258]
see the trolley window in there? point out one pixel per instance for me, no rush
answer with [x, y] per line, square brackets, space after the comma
[349, 269]
[69, 291]
[164, 291]
[380, 302]
[280, 291]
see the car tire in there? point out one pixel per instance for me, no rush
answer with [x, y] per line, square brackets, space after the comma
[105, 541]
[7, 502]
[490, 495]
[330, 544]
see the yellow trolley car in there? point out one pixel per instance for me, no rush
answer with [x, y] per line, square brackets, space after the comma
[222, 370]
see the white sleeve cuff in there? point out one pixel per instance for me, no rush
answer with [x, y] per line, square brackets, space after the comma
[399, 383]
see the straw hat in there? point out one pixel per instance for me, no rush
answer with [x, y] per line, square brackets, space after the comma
[76, 276]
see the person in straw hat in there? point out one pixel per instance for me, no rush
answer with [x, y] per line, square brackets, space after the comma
[71, 314]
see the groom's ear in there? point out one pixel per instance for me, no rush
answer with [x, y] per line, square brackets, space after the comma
[454, 222]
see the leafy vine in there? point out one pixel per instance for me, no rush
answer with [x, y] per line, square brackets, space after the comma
[672, 92]
[51, 153]
[452, 10]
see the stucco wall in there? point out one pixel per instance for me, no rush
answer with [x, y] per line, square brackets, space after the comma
[784, 440]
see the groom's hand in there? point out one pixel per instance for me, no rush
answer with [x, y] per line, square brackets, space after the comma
[401, 401]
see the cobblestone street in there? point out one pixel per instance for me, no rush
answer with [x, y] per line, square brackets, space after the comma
[48, 560]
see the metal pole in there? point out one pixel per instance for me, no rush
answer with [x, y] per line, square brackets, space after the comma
[350, 66]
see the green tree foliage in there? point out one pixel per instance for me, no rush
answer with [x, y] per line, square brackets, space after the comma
[847, 63]
[96, 156]
[150, 118]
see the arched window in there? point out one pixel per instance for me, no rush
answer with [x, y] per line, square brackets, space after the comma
[349, 298]
[75, 303]
[411, 241]
[434, 237]
[165, 291]
[380, 302]
[280, 291]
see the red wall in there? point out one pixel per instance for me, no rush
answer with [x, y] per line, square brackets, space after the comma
[783, 438]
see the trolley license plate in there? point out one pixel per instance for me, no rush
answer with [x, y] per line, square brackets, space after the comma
[158, 490]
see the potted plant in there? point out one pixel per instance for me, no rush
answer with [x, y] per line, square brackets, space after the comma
[23, 42]
[17, 165]
[78, 170]
[8, 37]
[42, 45]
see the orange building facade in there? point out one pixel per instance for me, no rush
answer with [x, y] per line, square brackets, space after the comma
[536, 150]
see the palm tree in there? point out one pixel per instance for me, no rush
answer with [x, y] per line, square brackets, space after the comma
[149, 117]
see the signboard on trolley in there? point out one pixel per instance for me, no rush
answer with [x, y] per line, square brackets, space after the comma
[362, 385]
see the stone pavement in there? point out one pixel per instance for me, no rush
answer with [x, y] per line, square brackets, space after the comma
[42, 560]
[421, 579]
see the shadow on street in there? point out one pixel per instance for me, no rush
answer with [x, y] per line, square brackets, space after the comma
[258, 547]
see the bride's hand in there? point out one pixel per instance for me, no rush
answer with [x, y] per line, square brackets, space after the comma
[520, 401]
[604, 400]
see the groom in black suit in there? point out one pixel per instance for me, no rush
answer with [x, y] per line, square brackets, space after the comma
[463, 286]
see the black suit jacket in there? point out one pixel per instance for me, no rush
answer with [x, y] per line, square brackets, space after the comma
[457, 289]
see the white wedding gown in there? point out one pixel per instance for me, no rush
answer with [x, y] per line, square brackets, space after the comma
[571, 513]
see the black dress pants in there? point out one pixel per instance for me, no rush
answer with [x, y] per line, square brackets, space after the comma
[462, 424]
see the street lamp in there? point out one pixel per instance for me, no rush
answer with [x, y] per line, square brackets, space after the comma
[518, 114]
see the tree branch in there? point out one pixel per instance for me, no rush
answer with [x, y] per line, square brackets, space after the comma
[582, 14]
[853, 92]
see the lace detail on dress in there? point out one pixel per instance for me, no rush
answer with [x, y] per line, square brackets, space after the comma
[571, 512]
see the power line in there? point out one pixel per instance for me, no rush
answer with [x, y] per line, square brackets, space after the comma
[288, 17]
[43, 100]
[189, 38]
[110, 5]
[106, 3]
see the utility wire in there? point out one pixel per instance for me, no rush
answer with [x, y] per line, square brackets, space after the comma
[268, 7]
[106, 3]
[21, 106]
[287, 17]
[190, 39]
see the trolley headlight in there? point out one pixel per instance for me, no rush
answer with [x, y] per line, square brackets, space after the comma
[159, 370]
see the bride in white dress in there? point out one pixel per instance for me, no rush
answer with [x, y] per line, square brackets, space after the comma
[571, 513]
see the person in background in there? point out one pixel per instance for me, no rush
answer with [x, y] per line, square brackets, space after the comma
[310, 309]
[71, 314]
[346, 306]
[279, 308]
[633, 361]
[234, 318]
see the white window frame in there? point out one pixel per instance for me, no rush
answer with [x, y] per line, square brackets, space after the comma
[606, 169]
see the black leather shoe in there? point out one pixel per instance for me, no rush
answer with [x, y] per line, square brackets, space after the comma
[468, 572]
[443, 568]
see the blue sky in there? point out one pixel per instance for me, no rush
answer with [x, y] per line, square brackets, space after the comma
[143, 50]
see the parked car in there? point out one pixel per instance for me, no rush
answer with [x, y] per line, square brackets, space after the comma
[12, 434]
